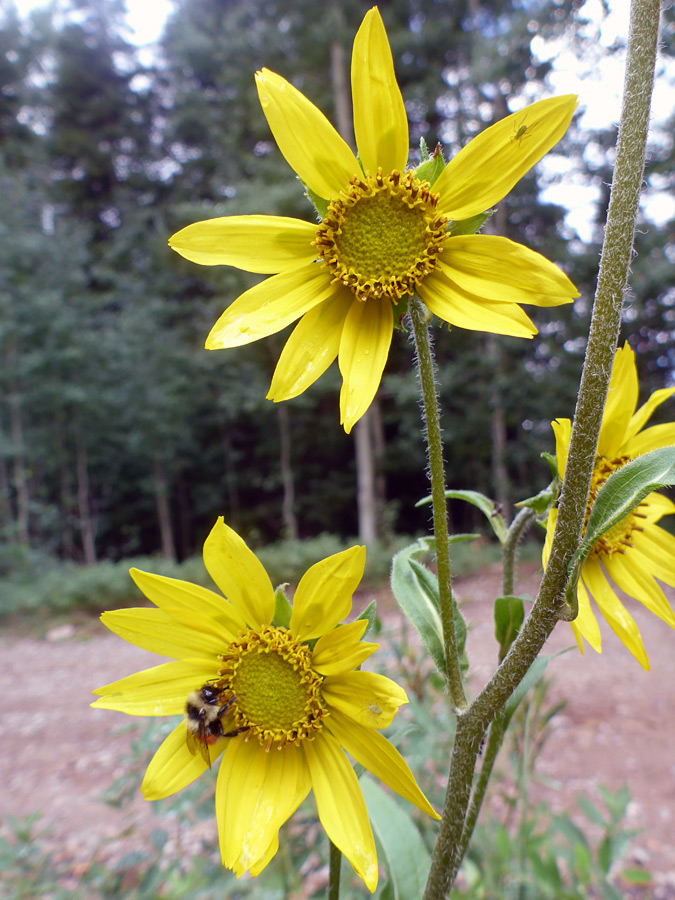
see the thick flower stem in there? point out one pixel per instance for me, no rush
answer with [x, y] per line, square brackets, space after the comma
[550, 602]
[425, 365]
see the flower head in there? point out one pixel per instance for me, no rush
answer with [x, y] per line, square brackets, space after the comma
[385, 233]
[280, 702]
[636, 551]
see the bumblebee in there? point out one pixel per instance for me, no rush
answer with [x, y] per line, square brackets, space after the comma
[204, 710]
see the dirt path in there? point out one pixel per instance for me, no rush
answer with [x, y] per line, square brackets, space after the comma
[58, 756]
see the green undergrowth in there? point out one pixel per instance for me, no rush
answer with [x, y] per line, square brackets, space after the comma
[34, 585]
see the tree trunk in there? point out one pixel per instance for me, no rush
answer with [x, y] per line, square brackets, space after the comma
[288, 504]
[7, 524]
[66, 500]
[19, 464]
[163, 511]
[83, 505]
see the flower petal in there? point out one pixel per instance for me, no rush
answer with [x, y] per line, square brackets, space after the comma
[256, 792]
[651, 439]
[454, 305]
[263, 244]
[614, 612]
[270, 306]
[158, 632]
[495, 268]
[324, 595]
[630, 573]
[374, 752]
[562, 429]
[585, 624]
[160, 691]
[311, 348]
[342, 809]
[366, 697]
[380, 121]
[173, 767]
[659, 547]
[239, 574]
[342, 650]
[364, 348]
[622, 396]
[643, 414]
[487, 168]
[183, 600]
[309, 143]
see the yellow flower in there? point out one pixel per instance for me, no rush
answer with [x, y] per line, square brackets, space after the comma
[636, 551]
[386, 234]
[291, 699]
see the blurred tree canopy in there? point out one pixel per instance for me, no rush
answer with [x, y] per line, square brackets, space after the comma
[119, 433]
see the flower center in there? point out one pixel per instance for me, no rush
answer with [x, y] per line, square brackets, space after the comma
[383, 237]
[277, 694]
[617, 538]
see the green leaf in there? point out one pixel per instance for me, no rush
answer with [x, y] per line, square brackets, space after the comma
[319, 204]
[369, 613]
[541, 502]
[407, 859]
[432, 165]
[623, 491]
[591, 811]
[416, 592]
[635, 875]
[282, 608]
[488, 507]
[471, 225]
[509, 612]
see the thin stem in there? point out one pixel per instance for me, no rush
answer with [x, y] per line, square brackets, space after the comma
[519, 525]
[334, 863]
[425, 365]
[550, 602]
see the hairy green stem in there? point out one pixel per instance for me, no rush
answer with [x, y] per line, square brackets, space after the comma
[425, 365]
[519, 525]
[605, 322]
[334, 863]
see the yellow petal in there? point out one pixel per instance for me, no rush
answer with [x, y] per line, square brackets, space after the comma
[160, 691]
[270, 306]
[311, 348]
[380, 121]
[451, 303]
[364, 348]
[182, 600]
[643, 414]
[651, 439]
[614, 612]
[342, 650]
[263, 244]
[628, 572]
[659, 548]
[585, 623]
[487, 168]
[495, 268]
[158, 632]
[375, 753]
[366, 697]
[309, 143]
[622, 397]
[342, 809]
[562, 429]
[257, 791]
[239, 574]
[656, 505]
[173, 767]
[324, 595]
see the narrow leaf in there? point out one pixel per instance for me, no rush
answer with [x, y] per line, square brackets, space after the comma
[488, 507]
[407, 859]
[417, 595]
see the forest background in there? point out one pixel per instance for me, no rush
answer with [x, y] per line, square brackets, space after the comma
[119, 434]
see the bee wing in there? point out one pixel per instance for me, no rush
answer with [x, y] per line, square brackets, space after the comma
[196, 743]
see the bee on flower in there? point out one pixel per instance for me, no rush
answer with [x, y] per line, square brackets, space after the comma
[385, 233]
[280, 703]
[636, 551]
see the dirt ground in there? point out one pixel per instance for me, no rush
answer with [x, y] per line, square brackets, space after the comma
[58, 756]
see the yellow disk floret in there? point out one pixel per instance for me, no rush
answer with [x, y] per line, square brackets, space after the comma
[277, 693]
[384, 236]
